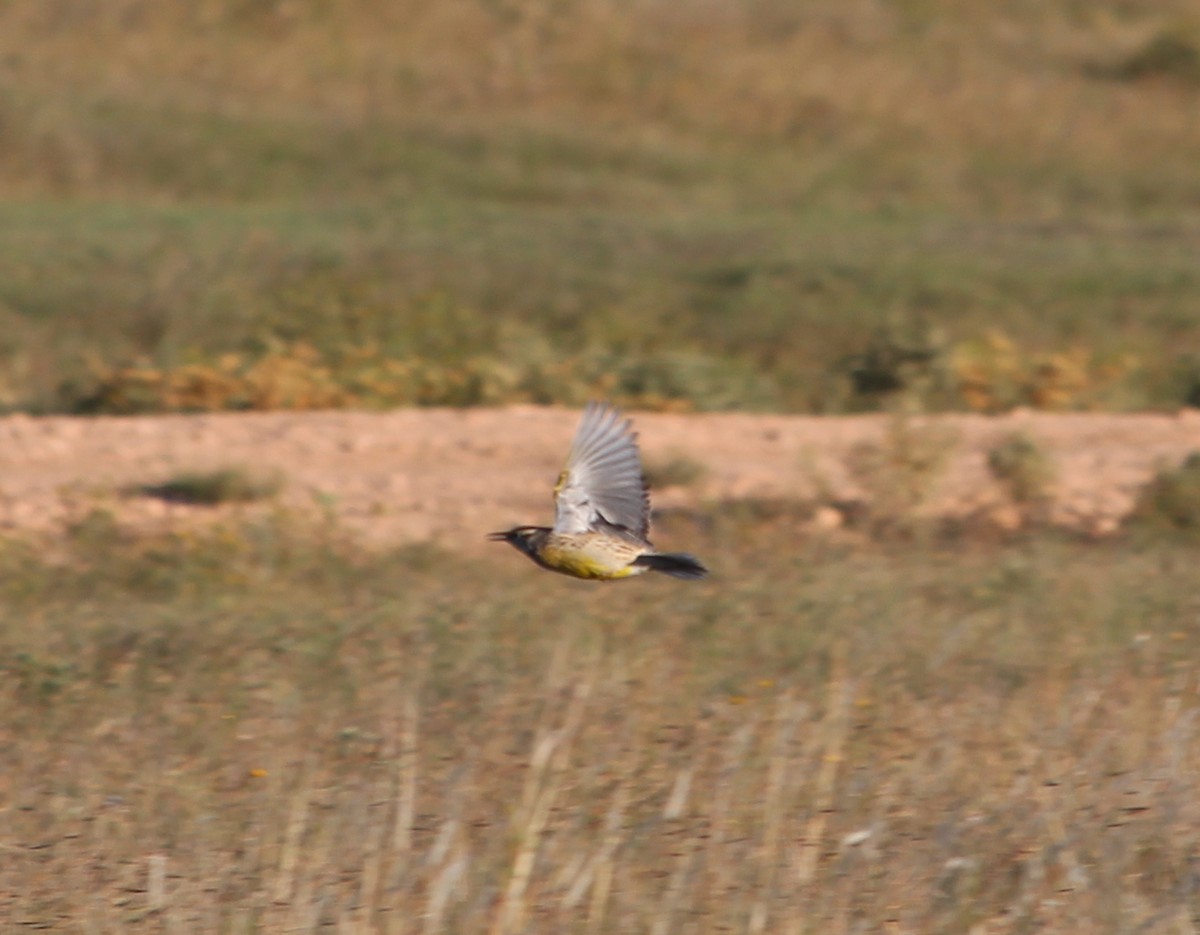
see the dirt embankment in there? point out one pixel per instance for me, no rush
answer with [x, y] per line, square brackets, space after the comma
[452, 475]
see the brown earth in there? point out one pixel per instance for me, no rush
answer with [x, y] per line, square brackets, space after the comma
[450, 476]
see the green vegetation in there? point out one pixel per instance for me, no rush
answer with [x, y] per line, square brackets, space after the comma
[899, 473]
[1024, 468]
[1165, 55]
[210, 488]
[840, 738]
[754, 205]
[1172, 499]
[677, 470]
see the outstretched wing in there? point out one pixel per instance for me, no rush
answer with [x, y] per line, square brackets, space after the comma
[602, 484]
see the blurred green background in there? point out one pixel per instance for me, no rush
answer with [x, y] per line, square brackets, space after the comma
[763, 204]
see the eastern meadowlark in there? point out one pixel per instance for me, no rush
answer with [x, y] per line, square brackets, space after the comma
[601, 510]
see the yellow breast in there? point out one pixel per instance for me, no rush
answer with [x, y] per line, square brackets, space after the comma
[591, 556]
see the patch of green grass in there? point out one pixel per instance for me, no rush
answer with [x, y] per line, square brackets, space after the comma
[1172, 498]
[211, 488]
[1165, 55]
[678, 470]
[88, 288]
[1023, 467]
[362, 177]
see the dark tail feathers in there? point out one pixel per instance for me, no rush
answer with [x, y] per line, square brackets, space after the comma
[675, 564]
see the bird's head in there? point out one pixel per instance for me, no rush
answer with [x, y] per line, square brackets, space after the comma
[522, 538]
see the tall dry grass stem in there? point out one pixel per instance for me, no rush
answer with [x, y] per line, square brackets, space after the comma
[543, 785]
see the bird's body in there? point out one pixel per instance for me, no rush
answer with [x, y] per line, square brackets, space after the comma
[581, 555]
[602, 510]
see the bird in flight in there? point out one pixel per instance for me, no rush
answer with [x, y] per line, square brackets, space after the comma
[601, 510]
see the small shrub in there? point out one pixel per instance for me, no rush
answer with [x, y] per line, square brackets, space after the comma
[293, 378]
[1186, 380]
[899, 357]
[1167, 54]
[211, 488]
[1172, 498]
[1024, 468]
[96, 529]
[899, 473]
[679, 470]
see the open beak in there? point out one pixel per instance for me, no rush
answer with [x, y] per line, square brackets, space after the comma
[498, 536]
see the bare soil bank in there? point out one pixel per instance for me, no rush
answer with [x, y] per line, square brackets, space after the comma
[450, 476]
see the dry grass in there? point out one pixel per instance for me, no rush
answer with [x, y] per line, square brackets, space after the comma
[898, 474]
[265, 731]
[1037, 86]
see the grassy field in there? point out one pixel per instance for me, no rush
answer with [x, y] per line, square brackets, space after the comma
[759, 205]
[753, 205]
[260, 729]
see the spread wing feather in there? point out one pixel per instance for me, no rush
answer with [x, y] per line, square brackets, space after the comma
[602, 486]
